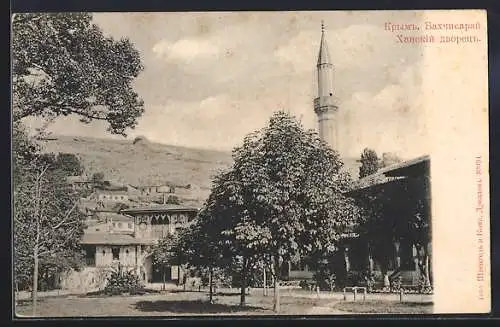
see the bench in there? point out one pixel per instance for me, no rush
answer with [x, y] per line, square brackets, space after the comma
[354, 290]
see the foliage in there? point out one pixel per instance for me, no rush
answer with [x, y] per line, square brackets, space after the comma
[325, 275]
[70, 163]
[369, 163]
[389, 159]
[169, 250]
[46, 223]
[173, 199]
[396, 284]
[121, 281]
[282, 197]
[63, 64]
[369, 278]
[98, 178]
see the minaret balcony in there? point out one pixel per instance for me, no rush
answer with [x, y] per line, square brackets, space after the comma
[325, 103]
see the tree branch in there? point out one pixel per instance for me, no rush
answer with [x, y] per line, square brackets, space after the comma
[66, 217]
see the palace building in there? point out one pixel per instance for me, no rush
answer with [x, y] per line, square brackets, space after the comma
[126, 239]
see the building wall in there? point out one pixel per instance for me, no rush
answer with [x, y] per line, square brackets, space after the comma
[86, 280]
[104, 255]
[112, 197]
[121, 226]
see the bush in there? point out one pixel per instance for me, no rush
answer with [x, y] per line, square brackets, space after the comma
[369, 278]
[121, 281]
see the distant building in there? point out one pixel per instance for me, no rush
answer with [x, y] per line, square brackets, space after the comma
[155, 189]
[111, 195]
[127, 239]
[80, 182]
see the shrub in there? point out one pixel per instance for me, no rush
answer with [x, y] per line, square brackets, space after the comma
[369, 278]
[121, 281]
[396, 284]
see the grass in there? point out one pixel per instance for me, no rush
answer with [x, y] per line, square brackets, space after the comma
[181, 303]
[165, 304]
[383, 307]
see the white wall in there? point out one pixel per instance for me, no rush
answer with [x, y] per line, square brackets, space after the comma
[106, 259]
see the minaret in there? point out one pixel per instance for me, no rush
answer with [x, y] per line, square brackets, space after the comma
[325, 105]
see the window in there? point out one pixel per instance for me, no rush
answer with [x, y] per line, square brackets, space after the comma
[103, 253]
[129, 225]
[119, 225]
[116, 253]
[114, 224]
[126, 251]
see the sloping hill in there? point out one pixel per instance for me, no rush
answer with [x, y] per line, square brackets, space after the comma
[141, 162]
[144, 163]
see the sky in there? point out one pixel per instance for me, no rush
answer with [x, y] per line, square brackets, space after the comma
[212, 78]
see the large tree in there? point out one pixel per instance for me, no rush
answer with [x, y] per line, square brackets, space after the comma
[63, 64]
[47, 224]
[282, 197]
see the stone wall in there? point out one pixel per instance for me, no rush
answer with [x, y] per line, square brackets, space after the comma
[87, 280]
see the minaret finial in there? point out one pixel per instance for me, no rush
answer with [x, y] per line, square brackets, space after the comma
[322, 26]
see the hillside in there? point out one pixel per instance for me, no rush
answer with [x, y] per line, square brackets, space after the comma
[141, 162]
[144, 163]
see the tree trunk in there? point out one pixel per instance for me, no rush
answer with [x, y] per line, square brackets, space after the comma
[164, 271]
[35, 280]
[210, 282]
[265, 282]
[37, 241]
[243, 282]
[276, 306]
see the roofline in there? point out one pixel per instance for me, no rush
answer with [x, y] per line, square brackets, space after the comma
[132, 242]
[153, 209]
[371, 186]
[404, 164]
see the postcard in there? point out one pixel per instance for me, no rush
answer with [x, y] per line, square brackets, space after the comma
[250, 163]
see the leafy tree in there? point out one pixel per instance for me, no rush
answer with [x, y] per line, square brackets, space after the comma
[369, 163]
[98, 178]
[70, 163]
[325, 274]
[205, 248]
[63, 64]
[173, 199]
[169, 251]
[389, 159]
[47, 225]
[282, 197]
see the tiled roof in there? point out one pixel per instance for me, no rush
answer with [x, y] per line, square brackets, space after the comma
[112, 239]
[113, 216]
[384, 175]
[77, 179]
[111, 191]
[160, 208]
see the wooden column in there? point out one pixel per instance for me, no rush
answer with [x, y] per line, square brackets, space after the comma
[346, 259]
[397, 245]
[370, 259]
[415, 258]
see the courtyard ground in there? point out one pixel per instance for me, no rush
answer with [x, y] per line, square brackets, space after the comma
[180, 303]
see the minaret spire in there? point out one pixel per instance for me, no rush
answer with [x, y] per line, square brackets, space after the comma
[325, 105]
[324, 54]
